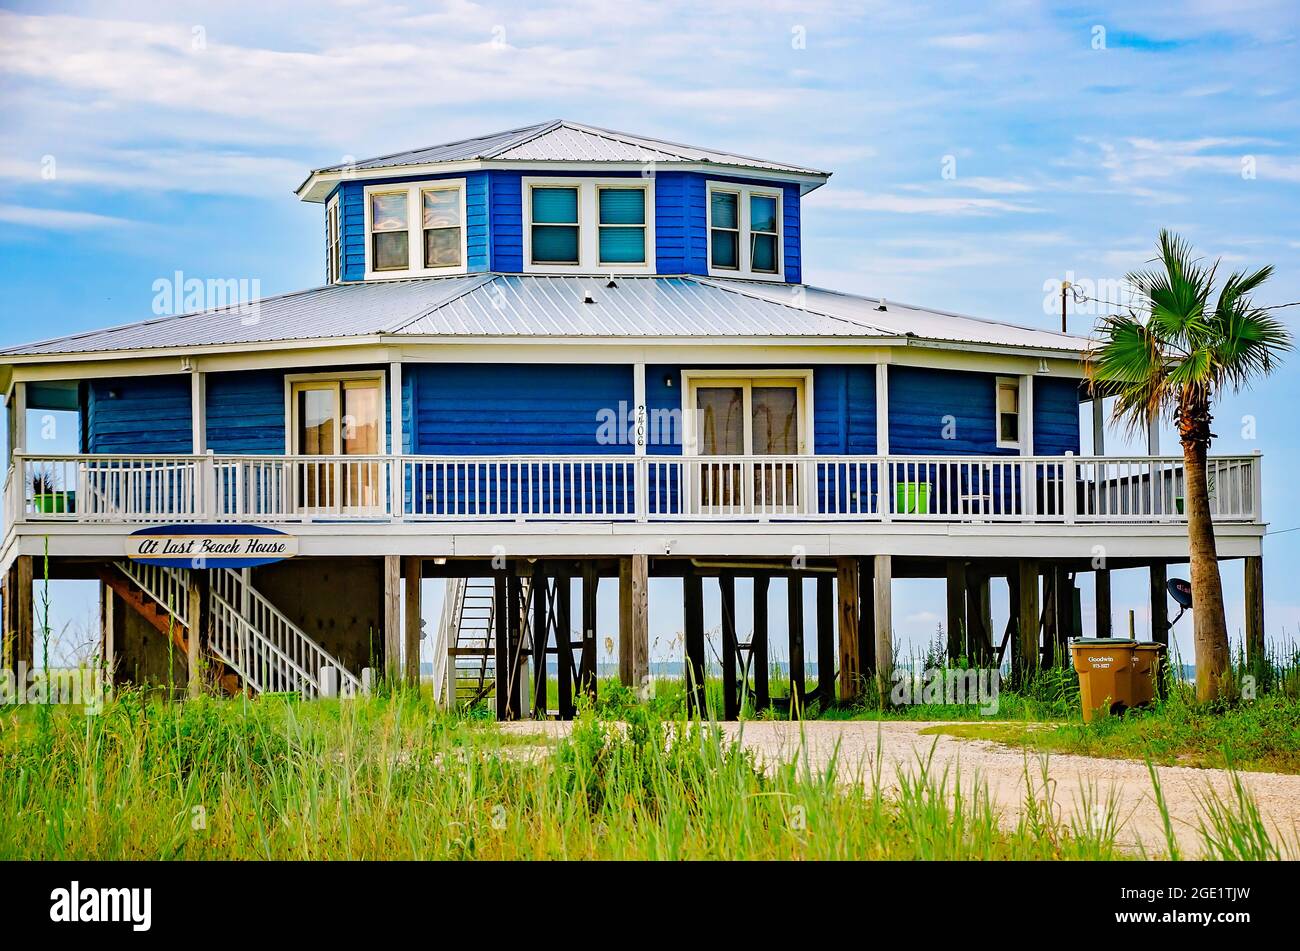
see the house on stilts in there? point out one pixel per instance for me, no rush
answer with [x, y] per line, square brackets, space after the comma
[551, 359]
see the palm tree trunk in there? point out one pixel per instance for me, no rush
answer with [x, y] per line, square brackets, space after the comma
[1210, 625]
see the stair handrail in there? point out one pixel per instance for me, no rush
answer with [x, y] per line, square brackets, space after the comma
[448, 635]
[320, 655]
[307, 684]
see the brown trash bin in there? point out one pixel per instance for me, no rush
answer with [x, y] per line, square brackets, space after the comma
[1105, 668]
[1146, 671]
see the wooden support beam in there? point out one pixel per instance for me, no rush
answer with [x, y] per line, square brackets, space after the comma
[758, 644]
[20, 633]
[693, 618]
[108, 635]
[1159, 576]
[730, 691]
[979, 617]
[501, 663]
[633, 620]
[412, 574]
[1050, 614]
[826, 640]
[846, 581]
[867, 617]
[541, 635]
[392, 618]
[587, 667]
[794, 622]
[516, 664]
[1254, 591]
[956, 570]
[1103, 603]
[566, 670]
[193, 636]
[1027, 657]
[883, 620]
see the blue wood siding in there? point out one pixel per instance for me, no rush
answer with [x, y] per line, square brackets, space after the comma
[246, 412]
[1056, 416]
[352, 214]
[148, 414]
[791, 239]
[681, 220]
[922, 403]
[505, 200]
[844, 409]
[483, 409]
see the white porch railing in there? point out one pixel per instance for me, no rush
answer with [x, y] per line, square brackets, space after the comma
[210, 488]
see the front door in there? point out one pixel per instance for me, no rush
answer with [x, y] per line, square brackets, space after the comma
[333, 420]
[748, 417]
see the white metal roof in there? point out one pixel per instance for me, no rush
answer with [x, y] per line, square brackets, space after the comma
[556, 141]
[560, 140]
[517, 305]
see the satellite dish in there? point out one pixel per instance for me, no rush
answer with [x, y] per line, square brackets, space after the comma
[1181, 592]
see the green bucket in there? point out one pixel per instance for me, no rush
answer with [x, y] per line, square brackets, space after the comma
[912, 498]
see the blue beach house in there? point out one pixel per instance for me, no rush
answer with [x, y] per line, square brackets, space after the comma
[553, 358]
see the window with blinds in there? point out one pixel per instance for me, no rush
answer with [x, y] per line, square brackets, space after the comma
[555, 225]
[622, 225]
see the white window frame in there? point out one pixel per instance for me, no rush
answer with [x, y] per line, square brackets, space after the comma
[743, 193]
[588, 225]
[333, 242]
[802, 380]
[319, 380]
[414, 192]
[1013, 383]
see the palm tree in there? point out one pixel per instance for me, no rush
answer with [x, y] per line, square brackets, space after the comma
[1174, 353]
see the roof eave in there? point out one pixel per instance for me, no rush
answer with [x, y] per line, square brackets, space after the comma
[318, 186]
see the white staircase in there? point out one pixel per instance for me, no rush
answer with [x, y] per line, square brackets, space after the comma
[248, 634]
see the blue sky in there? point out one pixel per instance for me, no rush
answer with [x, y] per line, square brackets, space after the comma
[978, 154]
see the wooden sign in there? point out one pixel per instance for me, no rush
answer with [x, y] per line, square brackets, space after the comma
[210, 546]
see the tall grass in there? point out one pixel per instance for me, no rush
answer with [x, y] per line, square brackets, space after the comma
[396, 778]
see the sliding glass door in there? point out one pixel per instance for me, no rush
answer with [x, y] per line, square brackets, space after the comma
[336, 418]
[751, 417]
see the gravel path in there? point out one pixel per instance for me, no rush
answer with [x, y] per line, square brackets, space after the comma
[1076, 780]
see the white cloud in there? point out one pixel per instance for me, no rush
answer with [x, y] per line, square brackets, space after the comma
[54, 219]
[850, 200]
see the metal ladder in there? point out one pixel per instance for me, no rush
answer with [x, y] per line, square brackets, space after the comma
[465, 653]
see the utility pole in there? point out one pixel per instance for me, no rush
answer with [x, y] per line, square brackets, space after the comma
[1065, 289]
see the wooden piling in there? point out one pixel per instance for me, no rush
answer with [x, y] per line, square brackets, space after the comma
[693, 618]
[587, 662]
[539, 622]
[826, 640]
[412, 570]
[1159, 579]
[794, 618]
[956, 592]
[1254, 591]
[1027, 659]
[633, 620]
[846, 582]
[730, 692]
[883, 619]
[758, 644]
[392, 618]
